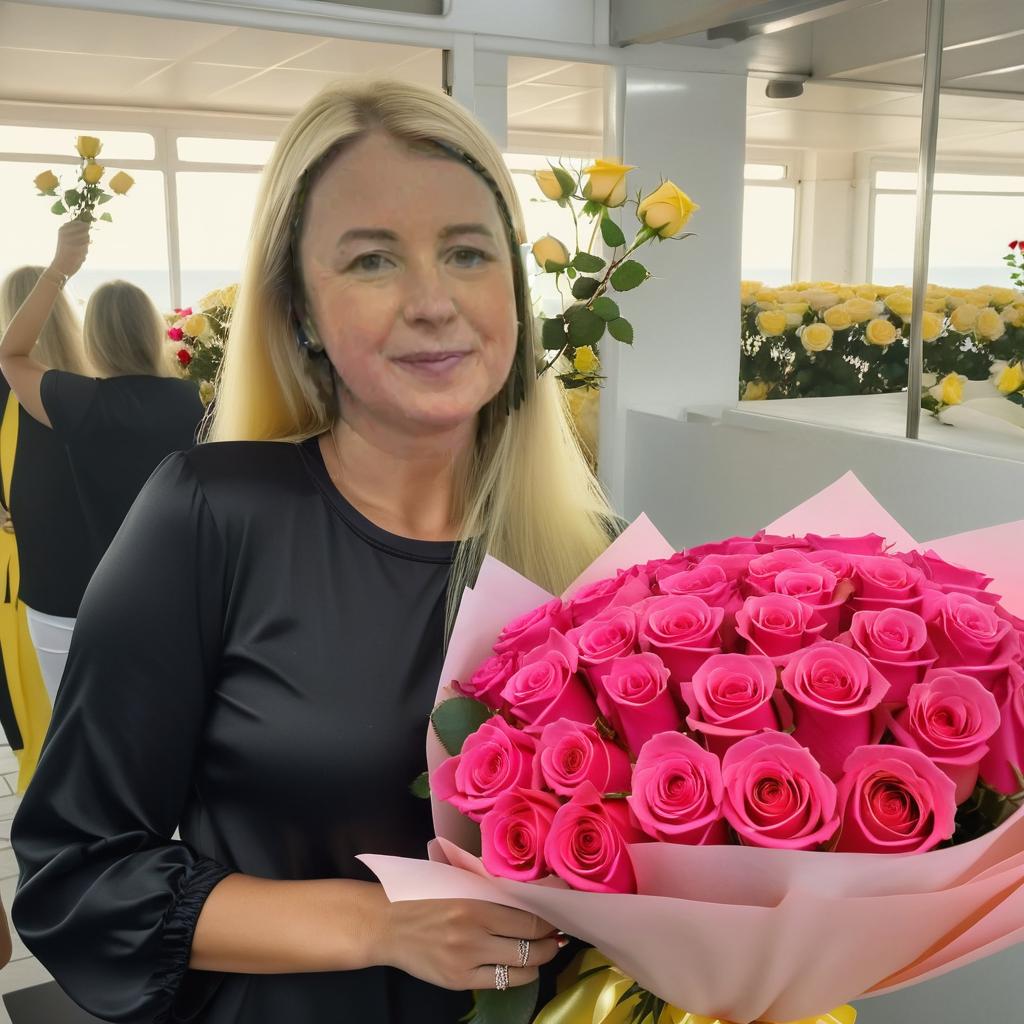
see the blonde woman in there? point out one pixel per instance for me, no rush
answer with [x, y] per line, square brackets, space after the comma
[256, 659]
[55, 555]
[119, 425]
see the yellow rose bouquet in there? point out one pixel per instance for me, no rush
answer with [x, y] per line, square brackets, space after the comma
[198, 335]
[81, 200]
[589, 310]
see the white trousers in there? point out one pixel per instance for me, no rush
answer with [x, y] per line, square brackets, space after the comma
[51, 637]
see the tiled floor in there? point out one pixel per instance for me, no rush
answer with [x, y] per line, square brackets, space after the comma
[23, 970]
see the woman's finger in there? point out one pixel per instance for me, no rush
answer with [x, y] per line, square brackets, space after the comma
[508, 951]
[486, 977]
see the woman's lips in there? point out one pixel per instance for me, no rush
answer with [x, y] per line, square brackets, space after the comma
[433, 364]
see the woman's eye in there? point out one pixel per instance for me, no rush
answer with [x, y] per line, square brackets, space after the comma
[371, 261]
[469, 257]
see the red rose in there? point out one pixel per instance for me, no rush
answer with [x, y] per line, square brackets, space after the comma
[184, 356]
[1013, 244]
[175, 333]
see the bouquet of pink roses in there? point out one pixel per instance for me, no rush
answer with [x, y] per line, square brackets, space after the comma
[659, 761]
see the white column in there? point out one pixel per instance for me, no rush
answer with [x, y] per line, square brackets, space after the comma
[825, 251]
[490, 93]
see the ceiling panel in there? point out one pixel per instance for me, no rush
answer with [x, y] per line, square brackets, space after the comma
[353, 57]
[31, 75]
[256, 48]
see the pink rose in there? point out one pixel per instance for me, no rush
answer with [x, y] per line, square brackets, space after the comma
[731, 697]
[625, 589]
[661, 567]
[490, 678]
[776, 795]
[774, 542]
[707, 581]
[818, 587]
[838, 563]
[886, 582]
[949, 717]
[761, 571]
[869, 544]
[677, 792]
[777, 626]
[494, 759]
[948, 577]
[588, 845]
[734, 566]
[894, 800]
[610, 635]
[730, 546]
[175, 333]
[533, 628]
[635, 698]
[896, 642]
[572, 753]
[1006, 746]
[513, 833]
[682, 631]
[969, 635]
[834, 691]
[546, 687]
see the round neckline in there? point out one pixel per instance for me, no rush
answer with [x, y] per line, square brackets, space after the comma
[425, 550]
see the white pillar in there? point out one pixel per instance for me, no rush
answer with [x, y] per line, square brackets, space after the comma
[825, 250]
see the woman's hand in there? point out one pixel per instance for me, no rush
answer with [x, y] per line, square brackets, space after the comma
[72, 246]
[455, 944]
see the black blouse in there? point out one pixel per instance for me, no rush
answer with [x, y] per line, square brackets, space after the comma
[254, 663]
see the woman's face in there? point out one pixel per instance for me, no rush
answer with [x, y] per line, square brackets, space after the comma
[407, 270]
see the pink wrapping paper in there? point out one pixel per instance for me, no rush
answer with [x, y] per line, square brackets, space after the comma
[739, 933]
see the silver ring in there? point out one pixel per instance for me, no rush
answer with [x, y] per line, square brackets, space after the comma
[500, 977]
[524, 952]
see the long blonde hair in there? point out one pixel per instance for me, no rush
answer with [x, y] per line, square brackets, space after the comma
[60, 342]
[527, 496]
[124, 332]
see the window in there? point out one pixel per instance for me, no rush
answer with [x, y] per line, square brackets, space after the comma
[61, 142]
[769, 221]
[225, 151]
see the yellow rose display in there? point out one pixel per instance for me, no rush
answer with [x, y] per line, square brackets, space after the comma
[820, 298]
[120, 183]
[549, 184]
[550, 250]
[92, 172]
[838, 317]
[963, 317]
[866, 291]
[1002, 296]
[900, 303]
[47, 181]
[816, 337]
[931, 326]
[860, 309]
[88, 146]
[1010, 379]
[989, 325]
[666, 210]
[950, 390]
[585, 360]
[767, 295]
[755, 391]
[771, 322]
[195, 325]
[880, 332]
[606, 182]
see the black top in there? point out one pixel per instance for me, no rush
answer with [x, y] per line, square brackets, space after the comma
[254, 662]
[55, 552]
[117, 430]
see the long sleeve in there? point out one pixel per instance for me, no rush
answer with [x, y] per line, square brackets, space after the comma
[107, 900]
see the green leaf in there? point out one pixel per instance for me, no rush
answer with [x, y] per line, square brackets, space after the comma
[570, 273]
[592, 208]
[588, 262]
[58, 207]
[566, 180]
[420, 786]
[457, 718]
[105, 197]
[621, 330]
[513, 1006]
[585, 328]
[605, 308]
[552, 267]
[106, 217]
[629, 275]
[553, 333]
[612, 233]
[584, 287]
[72, 197]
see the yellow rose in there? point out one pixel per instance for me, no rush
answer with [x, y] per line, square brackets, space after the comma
[1002, 296]
[88, 146]
[120, 183]
[866, 291]
[950, 389]
[771, 322]
[1011, 379]
[585, 360]
[666, 210]
[229, 296]
[880, 332]
[860, 309]
[1016, 312]
[989, 325]
[900, 303]
[931, 325]
[820, 298]
[755, 391]
[549, 184]
[206, 391]
[963, 317]
[790, 295]
[606, 182]
[838, 318]
[47, 181]
[767, 295]
[92, 172]
[550, 250]
[195, 325]
[816, 337]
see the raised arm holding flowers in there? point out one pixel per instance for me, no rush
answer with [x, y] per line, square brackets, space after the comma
[82, 199]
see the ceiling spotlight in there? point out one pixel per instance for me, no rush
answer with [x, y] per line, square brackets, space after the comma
[784, 89]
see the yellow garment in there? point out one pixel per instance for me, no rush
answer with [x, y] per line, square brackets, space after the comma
[29, 698]
[595, 999]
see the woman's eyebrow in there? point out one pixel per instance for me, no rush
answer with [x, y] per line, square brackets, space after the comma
[467, 229]
[386, 235]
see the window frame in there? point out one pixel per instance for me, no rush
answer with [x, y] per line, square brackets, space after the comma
[792, 179]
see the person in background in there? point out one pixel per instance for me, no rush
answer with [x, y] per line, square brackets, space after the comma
[115, 427]
[257, 656]
[54, 551]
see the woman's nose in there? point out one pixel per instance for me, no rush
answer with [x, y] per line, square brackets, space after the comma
[428, 298]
